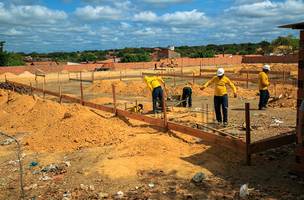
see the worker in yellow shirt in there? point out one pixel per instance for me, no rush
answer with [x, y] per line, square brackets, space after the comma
[154, 84]
[220, 95]
[263, 87]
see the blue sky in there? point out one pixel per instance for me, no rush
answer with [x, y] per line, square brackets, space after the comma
[76, 25]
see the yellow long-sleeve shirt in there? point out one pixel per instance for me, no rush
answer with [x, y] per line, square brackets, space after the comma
[220, 85]
[263, 81]
[153, 82]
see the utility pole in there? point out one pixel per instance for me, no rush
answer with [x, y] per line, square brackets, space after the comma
[1, 46]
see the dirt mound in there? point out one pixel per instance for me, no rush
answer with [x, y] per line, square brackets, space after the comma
[134, 88]
[48, 129]
[287, 94]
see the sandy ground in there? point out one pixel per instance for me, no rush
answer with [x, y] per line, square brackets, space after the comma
[96, 153]
[108, 154]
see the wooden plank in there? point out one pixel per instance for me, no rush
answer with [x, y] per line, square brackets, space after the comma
[233, 144]
[149, 120]
[98, 106]
[51, 93]
[273, 142]
[83, 80]
[298, 168]
[71, 99]
[300, 151]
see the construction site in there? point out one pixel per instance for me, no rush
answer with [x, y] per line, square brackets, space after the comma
[70, 133]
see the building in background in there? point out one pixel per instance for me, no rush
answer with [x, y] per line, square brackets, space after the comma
[164, 53]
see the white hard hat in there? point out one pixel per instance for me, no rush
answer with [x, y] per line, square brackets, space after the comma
[267, 67]
[220, 72]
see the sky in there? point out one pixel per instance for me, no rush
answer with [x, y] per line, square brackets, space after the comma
[77, 25]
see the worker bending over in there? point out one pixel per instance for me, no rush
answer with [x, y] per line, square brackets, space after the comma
[187, 95]
[220, 95]
[154, 84]
[263, 87]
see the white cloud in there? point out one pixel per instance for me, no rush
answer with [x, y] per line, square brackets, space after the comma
[165, 1]
[98, 12]
[148, 31]
[186, 17]
[146, 16]
[269, 8]
[30, 14]
[12, 32]
[178, 18]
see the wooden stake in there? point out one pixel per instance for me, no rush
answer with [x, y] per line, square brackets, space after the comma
[193, 78]
[93, 78]
[136, 104]
[165, 111]
[207, 113]
[43, 88]
[126, 106]
[200, 73]
[69, 75]
[247, 80]
[5, 78]
[31, 88]
[81, 89]
[58, 77]
[275, 89]
[114, 99]
[248, 134]
[203, 113]
[174, 79]
[60, 94]
[120, 75]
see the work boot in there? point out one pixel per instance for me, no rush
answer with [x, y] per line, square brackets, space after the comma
[225, 124]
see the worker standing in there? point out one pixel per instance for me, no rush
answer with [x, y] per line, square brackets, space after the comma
[187, 95]
[263, 87]
[154, 84]
[220, 95]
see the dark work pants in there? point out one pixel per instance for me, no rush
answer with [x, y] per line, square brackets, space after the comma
[157, 96]
[187, 96]
[264, 97]
[221, 102]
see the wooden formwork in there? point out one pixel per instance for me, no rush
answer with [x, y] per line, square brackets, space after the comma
[237, 145]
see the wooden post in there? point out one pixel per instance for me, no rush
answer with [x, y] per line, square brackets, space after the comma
[200, 73]
[93, 78]
[284, 77]
[136, 104]
[203, 112]
[275, 89]
[58, 77]
[43, 88]
[299, 128]
[120, 75]
[5, 78]
[125, 105]
[174, 79]
[69, 75]
[248, 135]
[165, 111]
[247, 80]
[207, 113]
[193, 78]
[114, 100]
[31, 88]
[81, 89]
[60, 94]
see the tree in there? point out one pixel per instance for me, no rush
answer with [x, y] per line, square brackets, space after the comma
[11, 59]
